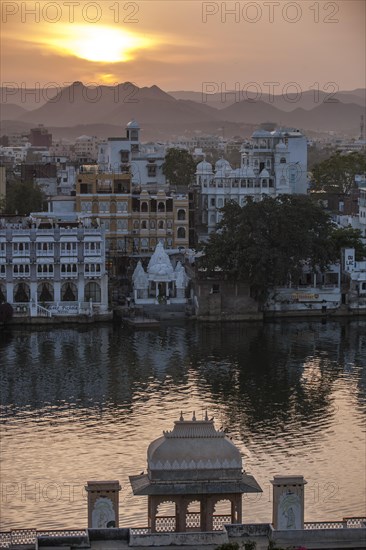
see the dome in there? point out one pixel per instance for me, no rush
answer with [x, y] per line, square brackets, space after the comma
[222, 164]
[281, 146]
[204, 167]
[133, 125]
[159, 265]
[194, 449]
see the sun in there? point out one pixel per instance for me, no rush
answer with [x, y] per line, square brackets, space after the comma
[98, 44]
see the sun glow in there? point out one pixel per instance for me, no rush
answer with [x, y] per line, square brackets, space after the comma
[98, 44]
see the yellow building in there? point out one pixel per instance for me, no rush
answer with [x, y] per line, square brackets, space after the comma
[135, 220]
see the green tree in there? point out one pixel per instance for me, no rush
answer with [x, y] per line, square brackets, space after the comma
[267, 243]
[337, 173]
[347, 237]
[23, 198]
[179, 167]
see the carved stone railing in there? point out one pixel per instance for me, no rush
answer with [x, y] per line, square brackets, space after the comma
[140, 530]
[193, 520]
[357, 522]
[218, 522]
[165, 524]
[325, 525]
[28, 537]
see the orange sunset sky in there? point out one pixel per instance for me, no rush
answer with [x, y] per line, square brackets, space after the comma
[179, 44]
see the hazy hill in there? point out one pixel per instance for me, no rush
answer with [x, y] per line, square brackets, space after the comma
[78, 104]
[309, 99]
[333, 116]
[11, 111]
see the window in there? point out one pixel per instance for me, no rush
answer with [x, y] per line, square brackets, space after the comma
[181, 214]
[160, 224]
[45, 292]
[215, 289]
[21, 270]
[121, 207]
[91, 248]
[144, 207]
[69, 292]
[161, 207]
[144, 224]
[181, 233]
[45, 270]
[152, 224]
[2, 270]
[283, 160]
[92, 292]
[122, 225]
[151, 171]
[21, 293]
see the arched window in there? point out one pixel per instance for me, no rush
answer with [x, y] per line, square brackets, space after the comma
[152, 224]
[161, 207]
[2, 294]
[181, 214]
[69, 292]
[181, 233]
[92, 292]
[283, 160]
[45, 292]
[136, 224]
[144, 207]
[144, 224]
[161, 224]
[21, 293]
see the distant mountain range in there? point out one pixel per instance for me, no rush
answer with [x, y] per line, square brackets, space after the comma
[165, 115]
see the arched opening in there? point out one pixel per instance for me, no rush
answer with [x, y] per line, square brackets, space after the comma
[45, 292]
[222, 514]
[144, 224]
[92, 292]
[144, 207]
[165, 518]
[283, 160]
[193, 516]
[152, 224]
[181, 214]
[21, 293]
[161, 224]
[161, 207]
[69, 292]
[181, 233]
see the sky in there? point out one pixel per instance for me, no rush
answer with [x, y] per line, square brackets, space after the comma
[185, 44]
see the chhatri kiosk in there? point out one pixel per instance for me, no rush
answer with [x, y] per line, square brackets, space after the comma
[193, 463]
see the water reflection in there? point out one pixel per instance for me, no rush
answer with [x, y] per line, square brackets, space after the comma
[85, 402]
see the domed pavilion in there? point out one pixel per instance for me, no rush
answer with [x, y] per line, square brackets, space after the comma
[193, 463]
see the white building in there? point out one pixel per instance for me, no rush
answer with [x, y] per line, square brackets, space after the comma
[127, 154]
[49, 269]
[161, 282]
[273, 163]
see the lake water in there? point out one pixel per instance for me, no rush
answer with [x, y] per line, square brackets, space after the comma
[82, 404]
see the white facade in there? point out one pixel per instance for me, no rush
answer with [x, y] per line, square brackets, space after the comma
[52, 271]
[124, 155]
[273, 163]
[161, 282]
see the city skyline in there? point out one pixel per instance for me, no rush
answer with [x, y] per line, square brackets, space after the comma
[279, 47]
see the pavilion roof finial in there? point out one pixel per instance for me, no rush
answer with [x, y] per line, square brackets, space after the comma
[206, 416]
[194, 415]
[181, 416]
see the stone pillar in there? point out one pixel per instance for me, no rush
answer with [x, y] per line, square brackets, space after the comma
[103, 504]
[288, 502]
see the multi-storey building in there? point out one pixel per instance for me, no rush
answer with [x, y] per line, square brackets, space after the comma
[128, 155]
[134, 219]
[273, 163]
[49, 268]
